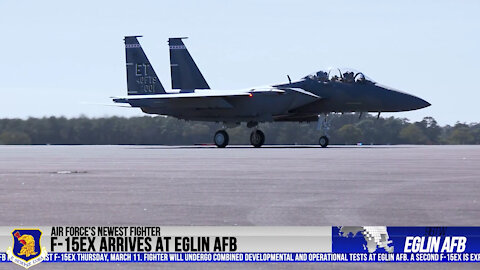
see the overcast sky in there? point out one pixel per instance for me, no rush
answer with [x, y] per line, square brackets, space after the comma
[56, 55]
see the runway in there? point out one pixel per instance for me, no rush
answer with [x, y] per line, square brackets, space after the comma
[273, 185]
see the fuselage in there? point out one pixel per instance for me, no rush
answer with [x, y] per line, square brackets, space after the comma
[289, 105]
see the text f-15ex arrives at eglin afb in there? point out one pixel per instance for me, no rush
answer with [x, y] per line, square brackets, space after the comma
[323, 92]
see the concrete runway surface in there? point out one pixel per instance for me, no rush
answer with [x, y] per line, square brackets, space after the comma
[273, 185]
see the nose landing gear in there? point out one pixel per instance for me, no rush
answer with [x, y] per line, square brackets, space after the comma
[323, 141]
[324, 126]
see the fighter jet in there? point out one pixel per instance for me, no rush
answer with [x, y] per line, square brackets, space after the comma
[309, 99]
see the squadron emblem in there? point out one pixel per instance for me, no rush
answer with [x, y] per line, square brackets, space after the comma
[26, 249]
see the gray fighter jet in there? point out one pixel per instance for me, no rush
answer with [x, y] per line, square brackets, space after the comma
[310, 99]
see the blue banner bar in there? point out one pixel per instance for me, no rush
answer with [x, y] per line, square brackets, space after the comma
[254, 257]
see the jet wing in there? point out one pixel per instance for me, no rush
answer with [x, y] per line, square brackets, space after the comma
[197, 94]
[209, 99]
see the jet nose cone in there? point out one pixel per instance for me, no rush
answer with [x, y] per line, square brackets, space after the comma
[425, 103]
[398, 101]
[419, 103]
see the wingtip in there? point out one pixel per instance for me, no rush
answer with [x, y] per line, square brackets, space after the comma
[133, 36]
[177, 38]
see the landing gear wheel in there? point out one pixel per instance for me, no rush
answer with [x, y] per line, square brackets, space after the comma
[257, 138]
[323, 141]
[221, 138]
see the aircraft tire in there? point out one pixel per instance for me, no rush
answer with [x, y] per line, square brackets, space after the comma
[323, 141]
[257, 138]
[221, 138]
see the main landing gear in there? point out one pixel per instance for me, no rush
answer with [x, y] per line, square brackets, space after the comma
[221, 138]
[257, 138]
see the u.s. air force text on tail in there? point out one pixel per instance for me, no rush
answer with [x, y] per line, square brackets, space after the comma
[134, 239]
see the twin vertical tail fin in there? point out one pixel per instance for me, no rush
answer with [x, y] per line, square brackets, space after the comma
[141, 78]
[185, 73]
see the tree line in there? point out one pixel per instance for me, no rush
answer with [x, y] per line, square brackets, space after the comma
[147, 130]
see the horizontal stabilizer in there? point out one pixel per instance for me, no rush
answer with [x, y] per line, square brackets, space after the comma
[107, 104]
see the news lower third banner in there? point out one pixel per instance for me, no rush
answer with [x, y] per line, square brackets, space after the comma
[30, 245]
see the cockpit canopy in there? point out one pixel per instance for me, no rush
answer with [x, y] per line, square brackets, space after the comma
[345, 75]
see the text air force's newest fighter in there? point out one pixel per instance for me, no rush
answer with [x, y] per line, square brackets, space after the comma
[323, 92]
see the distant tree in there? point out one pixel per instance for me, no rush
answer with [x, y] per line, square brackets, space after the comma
[390, 129]
[349, 134]
[413, 134]
[461, 134]
[371, 130]
[431, 129]
[346, 128]
[475, 129]
[14, 137]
